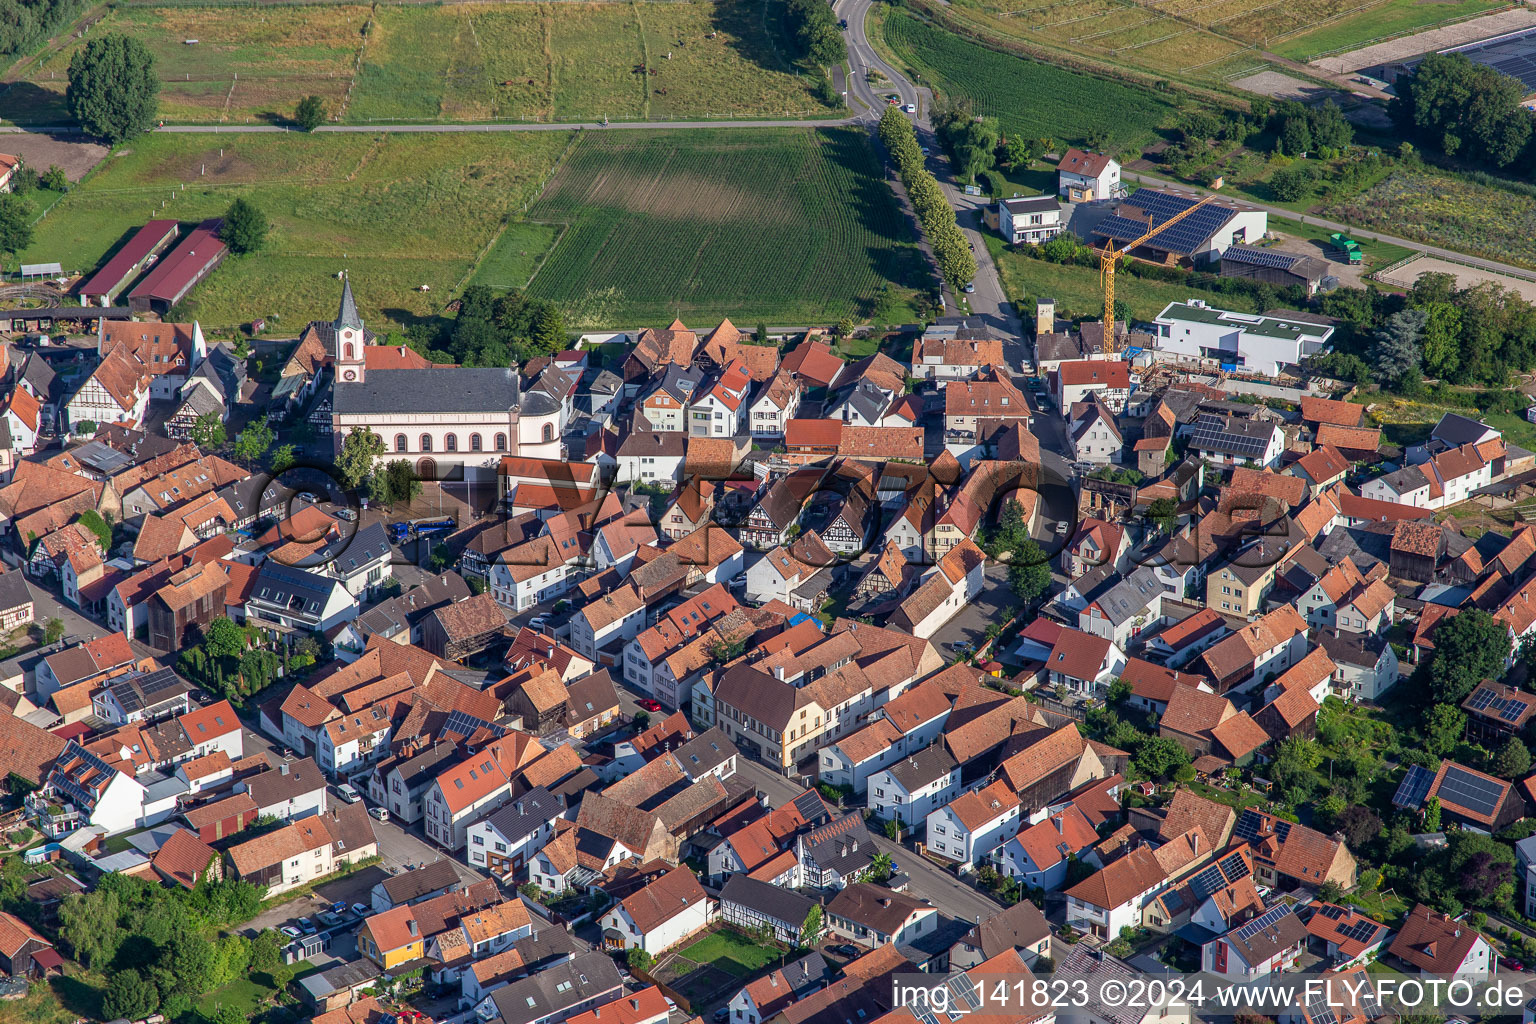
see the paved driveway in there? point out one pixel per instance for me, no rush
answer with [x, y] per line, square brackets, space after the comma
[968, 625]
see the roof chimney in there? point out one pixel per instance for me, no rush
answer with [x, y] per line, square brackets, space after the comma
[411, 924]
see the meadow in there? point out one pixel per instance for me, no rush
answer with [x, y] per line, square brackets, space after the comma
[1443, 210]
[278, 54]
[562, 61]
[1029, 97]
[790, 225]
[399, 211]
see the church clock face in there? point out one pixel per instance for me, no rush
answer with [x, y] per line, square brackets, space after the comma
[349, 375]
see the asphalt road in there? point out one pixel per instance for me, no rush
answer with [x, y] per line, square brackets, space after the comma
[929, 881]
[987, 302]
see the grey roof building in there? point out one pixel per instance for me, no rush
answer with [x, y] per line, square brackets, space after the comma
[748, 903]
[1131, 596]
[560, 991]
[422, 883]
[706, 752]
[439, 389]
[925, 766]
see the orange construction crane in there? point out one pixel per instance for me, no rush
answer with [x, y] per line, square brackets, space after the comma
[1110, 257]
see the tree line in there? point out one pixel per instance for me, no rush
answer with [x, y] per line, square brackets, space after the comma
[1467, 111]
[937, 217]
[1477, 335]
[154, 944]
[815, 32]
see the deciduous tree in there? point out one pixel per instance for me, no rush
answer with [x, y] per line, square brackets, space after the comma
[359, 451]
[15, 223]
[113, 89]
[245, 227]
[310, 113]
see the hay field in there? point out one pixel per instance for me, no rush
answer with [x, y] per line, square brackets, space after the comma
[278, 54]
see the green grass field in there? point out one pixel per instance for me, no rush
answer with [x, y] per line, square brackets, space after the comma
[561, 61]
[1028, 97]
[399, 211]
[790, 225]
[1077, 290]
[730, 952]
[1393, 18]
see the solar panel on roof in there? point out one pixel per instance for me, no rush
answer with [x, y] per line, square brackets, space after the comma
[1265, 920]
[1473, 792]
[1360, 931]
[966, 990]
[1414, 787]
[1332, 912]
[1248, 826]
[1259, 257]
[1213, 432]
[1186, 236]
[1319, 1011]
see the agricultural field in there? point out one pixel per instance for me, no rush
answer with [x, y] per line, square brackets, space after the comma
[1202, 41]
[1028, 97]
[1380, 21]
[1447, 211]
[399, 211]
[789, 225]
[561, 61]
[1078, 291]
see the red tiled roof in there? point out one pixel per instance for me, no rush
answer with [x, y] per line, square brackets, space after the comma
[1328, 410]
[183, 858]
[1109, 373]
[1089, 165]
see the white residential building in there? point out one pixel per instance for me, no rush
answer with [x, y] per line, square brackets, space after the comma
[1084, 177]
[660, 915]
[974, 824]
[504, 841]
[1029, 221]
[1253, 342]
[916, 786]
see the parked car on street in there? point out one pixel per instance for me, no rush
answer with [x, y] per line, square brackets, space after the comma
[347, 793]
[380, 813]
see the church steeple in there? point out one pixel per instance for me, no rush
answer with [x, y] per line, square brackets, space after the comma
[349, 337]
[347, 315]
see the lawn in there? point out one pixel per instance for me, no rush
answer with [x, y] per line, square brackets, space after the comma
[792, 226]
[399, 210]
[1078, 292]
[1379, 21]
[459, 62]
[1235, 798]
[248, 994]
[731, 952]
[1029, 97]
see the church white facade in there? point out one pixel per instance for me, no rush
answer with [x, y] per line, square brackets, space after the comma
[442, 419]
